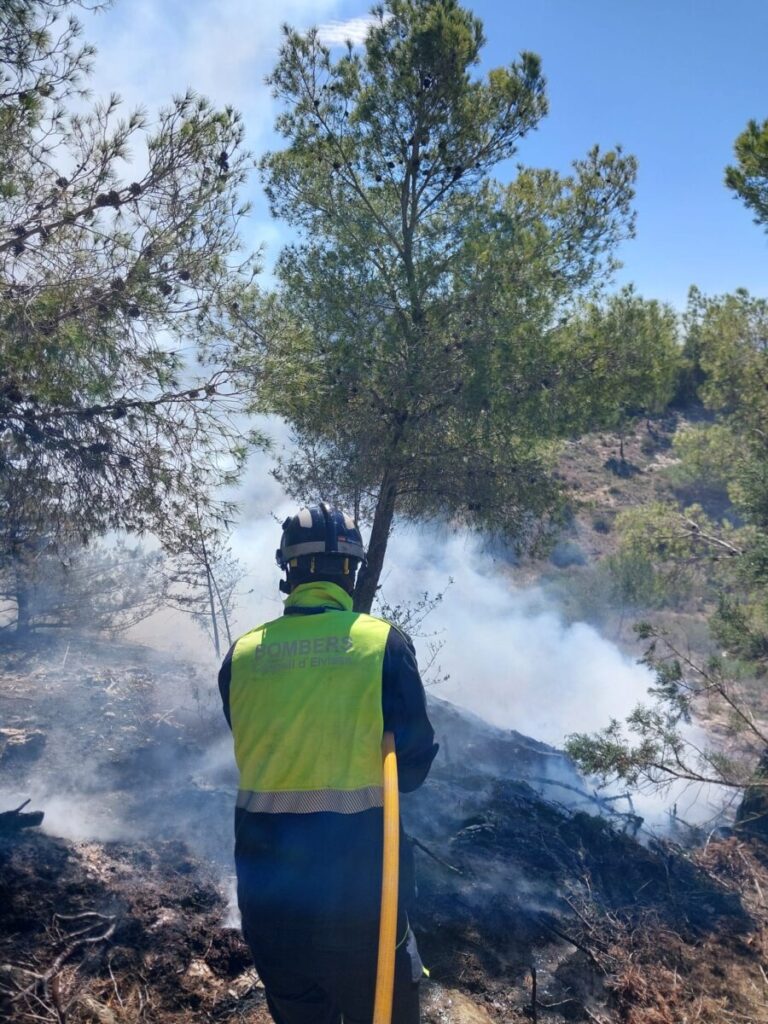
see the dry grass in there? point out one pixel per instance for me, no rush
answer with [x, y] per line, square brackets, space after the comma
[663, 976]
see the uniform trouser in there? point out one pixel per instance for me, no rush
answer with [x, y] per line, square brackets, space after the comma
[309, 985]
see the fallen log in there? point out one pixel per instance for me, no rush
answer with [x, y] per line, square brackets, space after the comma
[14, 821]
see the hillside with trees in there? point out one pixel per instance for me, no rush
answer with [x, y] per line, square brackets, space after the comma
[443, 337]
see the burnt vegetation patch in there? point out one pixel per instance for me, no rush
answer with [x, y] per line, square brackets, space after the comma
[538, 898]
[114, 932]
[542, 909]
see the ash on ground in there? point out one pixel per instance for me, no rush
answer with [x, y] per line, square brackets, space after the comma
[538, 901]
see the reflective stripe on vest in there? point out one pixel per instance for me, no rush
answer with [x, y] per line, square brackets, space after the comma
[305, 702]
[292, 802]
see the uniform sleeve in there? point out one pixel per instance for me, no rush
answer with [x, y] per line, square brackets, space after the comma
[225, 679]
[405, 712]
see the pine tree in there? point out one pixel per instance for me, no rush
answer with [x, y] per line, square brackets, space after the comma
[118, 255]
[414, 344]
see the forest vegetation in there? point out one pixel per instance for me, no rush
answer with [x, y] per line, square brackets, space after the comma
[445, 342]
[433, 338]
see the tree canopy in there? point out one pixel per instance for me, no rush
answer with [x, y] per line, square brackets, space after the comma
[748, 177]
[667, 551]
[118, 263]
[416, 340]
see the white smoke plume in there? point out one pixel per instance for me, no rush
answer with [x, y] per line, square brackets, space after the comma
[511, 657]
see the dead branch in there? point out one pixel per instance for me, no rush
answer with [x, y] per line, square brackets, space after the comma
[434, 856]
[584, 920]
[82, 916]
[83, 939]
[99, 1011]
[15, 820]
[593, 1017]
[56, 999]
[694, 530]
[114, 983]
[560, 1002]
[574, 942]
[602, 802]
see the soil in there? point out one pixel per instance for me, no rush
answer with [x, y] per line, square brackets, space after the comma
[539, 900]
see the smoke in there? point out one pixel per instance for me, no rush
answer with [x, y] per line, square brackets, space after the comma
[514, 660]
[69, 813]
[354, 30]
[511, 657]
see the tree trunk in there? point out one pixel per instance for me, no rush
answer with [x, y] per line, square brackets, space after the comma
[23, 609]
[368, 580]
[223, 607]
[212, 603]
[752, 815]
[209, 581]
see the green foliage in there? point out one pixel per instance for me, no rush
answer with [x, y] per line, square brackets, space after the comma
[602, 524]
[749, 176]
[631, 347]
[104, 282]
[652, 567]
[706, 454]
[726, 345]
[419, 315]
[741, 628]
[728, 455]
[667, 550]
[610, 755]
[203, 576]
[729, 343]
[731, 337]
[656, 746]
[680, 557]
[410, 617]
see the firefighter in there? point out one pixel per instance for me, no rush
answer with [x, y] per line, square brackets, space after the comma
[308, 697]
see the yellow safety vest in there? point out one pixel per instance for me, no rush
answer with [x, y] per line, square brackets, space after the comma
[305, 703]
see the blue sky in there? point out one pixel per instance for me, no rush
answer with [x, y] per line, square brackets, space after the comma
[673, 81]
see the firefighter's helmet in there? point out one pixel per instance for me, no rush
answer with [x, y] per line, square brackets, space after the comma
[320, 541]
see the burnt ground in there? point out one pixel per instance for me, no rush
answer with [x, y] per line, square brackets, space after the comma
[537, 902]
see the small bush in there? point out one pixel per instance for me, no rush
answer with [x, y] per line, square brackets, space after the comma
[566, 554]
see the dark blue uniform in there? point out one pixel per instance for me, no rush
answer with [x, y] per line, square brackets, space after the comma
[309, 885]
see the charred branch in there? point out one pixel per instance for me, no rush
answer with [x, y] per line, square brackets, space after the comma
[12, 822]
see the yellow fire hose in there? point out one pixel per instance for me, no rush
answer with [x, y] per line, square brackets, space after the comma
[385, 970]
